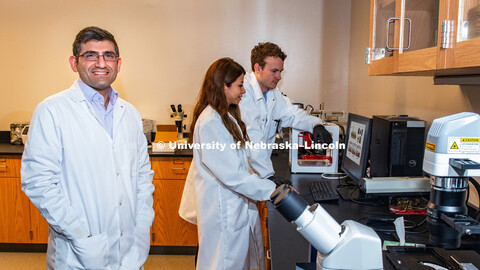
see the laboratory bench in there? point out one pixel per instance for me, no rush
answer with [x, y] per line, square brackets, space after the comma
[287, 247]
[23, 229]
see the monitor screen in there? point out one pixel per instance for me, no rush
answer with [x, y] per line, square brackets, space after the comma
[357, 144]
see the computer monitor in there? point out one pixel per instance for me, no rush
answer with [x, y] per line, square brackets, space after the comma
[357, 144]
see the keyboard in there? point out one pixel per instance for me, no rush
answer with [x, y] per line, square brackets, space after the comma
[323, 191]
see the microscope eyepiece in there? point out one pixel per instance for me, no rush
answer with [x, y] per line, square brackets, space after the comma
[289, 203]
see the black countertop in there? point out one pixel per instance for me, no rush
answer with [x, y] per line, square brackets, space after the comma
[11, 149]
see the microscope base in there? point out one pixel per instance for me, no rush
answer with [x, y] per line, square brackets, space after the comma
[360, 248]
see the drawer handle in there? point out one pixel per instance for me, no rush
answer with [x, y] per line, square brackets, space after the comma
[177, 169]
[3, 167]
[268, 254]
[178, 161]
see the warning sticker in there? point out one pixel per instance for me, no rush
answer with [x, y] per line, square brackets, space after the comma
[454, 145]
[463, 145]
[430, 146]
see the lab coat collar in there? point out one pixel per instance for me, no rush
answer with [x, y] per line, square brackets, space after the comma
[256, 87]
[76, 94]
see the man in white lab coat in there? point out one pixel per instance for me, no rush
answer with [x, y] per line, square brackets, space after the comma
[264, 109]
[86, 166]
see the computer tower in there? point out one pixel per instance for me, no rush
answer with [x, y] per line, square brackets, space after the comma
[396, 146]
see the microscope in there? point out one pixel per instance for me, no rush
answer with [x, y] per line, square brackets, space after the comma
[452, 158]
[178, 115]
[349, 245]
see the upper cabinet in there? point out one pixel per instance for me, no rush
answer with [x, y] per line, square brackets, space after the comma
[424, 37]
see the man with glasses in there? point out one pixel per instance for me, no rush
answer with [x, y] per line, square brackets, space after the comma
[86, 166]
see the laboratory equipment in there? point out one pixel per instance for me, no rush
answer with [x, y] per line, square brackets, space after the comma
[452, 157]
[360, 140]
[396, 146]
[25, 134]
[178, 115]
[350, 245]
[16, 130]
[148, 129]
[357, 143]
[305, 157]
[396, 185]
[326, 116]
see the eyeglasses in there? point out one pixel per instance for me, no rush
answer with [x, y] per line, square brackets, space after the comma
[94, 56]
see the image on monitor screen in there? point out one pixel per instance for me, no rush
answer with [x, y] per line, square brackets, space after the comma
[357, 144]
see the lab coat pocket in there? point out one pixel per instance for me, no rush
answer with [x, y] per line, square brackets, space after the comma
[89, 253]
[237, 212]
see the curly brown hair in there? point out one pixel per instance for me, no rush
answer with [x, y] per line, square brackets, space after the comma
[263, 50]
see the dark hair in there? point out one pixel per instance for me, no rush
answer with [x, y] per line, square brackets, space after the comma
[92, 33]
[263, 50]
[224, 71]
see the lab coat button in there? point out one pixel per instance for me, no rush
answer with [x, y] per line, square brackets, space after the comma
[118, 174]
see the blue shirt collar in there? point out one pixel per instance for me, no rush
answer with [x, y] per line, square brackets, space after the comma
[90, 93]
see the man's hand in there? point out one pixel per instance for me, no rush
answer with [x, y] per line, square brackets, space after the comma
[321, 135]
[279, 181]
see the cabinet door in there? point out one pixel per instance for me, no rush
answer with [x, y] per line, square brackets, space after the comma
[404, 36]
[466, 17]
[14, 206]
[168, 228]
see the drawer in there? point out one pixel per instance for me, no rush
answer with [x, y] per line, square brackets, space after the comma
[170, 167]
[10, 165]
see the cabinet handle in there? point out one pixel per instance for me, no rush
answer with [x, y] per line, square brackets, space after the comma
[4, 167]
[178, 161]
[177, 169]
[268, 254]
[153, 236]
[390, 20]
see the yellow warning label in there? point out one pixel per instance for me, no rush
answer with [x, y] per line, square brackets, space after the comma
[470, 140]
[430, 146]
[454, 146]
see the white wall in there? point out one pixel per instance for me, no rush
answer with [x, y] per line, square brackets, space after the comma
[167, 46]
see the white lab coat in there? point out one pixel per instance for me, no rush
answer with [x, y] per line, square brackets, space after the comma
[264, 117]
[94, 191]
[220, 197]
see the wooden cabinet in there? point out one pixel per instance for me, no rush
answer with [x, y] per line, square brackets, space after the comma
[21, 221]
[424, 37]
[168, 228]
